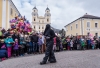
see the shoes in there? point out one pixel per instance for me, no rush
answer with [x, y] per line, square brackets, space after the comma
[53, 61]
[41, 63]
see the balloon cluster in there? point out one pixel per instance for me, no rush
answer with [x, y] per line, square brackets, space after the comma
[20, 24]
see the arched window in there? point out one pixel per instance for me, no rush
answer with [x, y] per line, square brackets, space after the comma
[47, 20]
[42, 27]
[39, 27]
[34, 27]
[34, 19]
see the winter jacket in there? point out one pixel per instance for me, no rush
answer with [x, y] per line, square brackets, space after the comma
[16, 45]
[40, 41]
[16, 37]
[34, 38]
[82, 43]
[22, 41]
[8, 42]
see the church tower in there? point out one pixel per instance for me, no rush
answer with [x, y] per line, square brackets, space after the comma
[48, 15]
[34, 14]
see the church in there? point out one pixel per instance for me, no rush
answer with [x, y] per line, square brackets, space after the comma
[39, 22]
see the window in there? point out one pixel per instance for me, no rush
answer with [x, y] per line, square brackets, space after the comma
[34, 10]
[96, 34]
[39, 27]
[11, 12]
[47, 20]
[34, 27]
[42, 27]
[71, 27]
[34, 19]
[39, 21]
[88, 24]
[76, 26]
[96, 25]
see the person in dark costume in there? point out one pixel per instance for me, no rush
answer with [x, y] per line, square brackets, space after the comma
[49, 54]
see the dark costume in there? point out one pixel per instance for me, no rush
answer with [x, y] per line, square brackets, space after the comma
[49, 54]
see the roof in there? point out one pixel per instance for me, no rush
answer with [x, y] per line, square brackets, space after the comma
[87, 16]
[15, 6]
[47, 8]
[90, 16]
[35, 7]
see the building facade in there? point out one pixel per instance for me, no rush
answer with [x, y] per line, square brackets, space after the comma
[7, 12]
[85, 25]
[39, 22]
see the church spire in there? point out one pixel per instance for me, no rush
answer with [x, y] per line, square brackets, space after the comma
[47, 8]
[35, 7]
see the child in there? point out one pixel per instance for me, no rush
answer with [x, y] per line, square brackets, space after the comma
[16, 47]
[40, 43]
[9, 42]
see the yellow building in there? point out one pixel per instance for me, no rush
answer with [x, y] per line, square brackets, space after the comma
[84, 25]
[7, 12]
[39, 22]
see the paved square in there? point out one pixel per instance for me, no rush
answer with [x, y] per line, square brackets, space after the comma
[65, 59]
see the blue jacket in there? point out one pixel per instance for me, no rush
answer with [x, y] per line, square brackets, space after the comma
[8, 41]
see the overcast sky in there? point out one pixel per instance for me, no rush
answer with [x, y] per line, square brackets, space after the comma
[62, 11]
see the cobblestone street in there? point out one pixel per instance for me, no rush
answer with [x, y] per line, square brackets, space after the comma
[66, 59]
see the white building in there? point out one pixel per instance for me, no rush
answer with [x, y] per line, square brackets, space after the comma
[39, 22]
